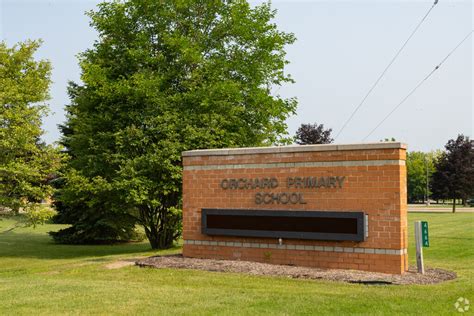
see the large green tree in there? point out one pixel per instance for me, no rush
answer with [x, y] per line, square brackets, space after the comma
[26, 163]
[454, 175]
[164, 77]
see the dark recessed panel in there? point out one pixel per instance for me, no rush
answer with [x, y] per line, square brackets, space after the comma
[317, 225]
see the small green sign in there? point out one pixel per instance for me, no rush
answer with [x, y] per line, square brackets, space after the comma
[424, 234]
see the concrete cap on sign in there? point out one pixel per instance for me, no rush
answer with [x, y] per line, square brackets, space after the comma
[293, 149]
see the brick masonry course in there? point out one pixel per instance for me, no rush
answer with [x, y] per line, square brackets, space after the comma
[375, 183]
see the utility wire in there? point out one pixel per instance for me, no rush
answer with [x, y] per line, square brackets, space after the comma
[385, 70]
[417, 86]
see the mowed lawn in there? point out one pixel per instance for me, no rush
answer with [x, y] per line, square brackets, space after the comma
[40, 277]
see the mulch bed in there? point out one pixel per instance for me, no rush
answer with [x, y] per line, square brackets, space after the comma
[431, 276]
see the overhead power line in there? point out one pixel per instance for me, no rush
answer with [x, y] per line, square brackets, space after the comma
[385, 70]
[417, 86]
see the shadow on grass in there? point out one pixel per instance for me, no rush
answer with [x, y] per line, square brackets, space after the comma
[24, 244]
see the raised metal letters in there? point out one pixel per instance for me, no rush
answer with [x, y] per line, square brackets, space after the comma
[279, 198]
[244, 183]
[335, 182]
[291, 182]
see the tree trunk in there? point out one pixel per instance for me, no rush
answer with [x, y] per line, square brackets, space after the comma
[157, 239]
[161, 226]
[153, 242]
[454, 205]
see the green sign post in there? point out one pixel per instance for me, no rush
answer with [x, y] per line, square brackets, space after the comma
[424, 234]
[421, 240]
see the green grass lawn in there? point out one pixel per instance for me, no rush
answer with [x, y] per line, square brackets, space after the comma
[40, 277]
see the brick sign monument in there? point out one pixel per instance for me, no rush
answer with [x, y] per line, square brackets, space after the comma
[325, 206]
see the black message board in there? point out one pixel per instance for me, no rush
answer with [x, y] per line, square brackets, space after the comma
[315, 225]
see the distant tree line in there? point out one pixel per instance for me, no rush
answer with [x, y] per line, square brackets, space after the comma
[442, 175]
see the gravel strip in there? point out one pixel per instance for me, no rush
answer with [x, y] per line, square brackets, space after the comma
[431, 276]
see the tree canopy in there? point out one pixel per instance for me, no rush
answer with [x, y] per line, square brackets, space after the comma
[313, 134]
[26, 162]
[164, 77]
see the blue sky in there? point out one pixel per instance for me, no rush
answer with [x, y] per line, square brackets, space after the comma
[341, 48]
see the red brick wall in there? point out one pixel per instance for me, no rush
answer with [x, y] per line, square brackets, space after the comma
[375, 183]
